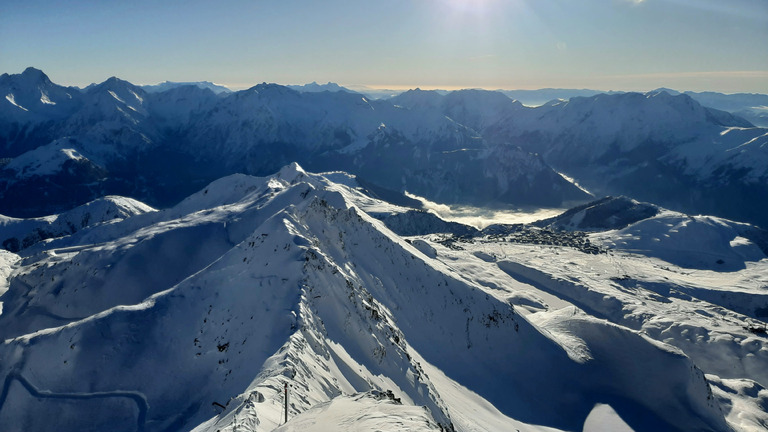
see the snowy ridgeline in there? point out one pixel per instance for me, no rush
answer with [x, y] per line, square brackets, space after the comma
[196, 317]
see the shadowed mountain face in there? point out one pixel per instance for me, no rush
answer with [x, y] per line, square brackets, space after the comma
[605, 214]
[471, 146]
[654, 147]
[159, 146]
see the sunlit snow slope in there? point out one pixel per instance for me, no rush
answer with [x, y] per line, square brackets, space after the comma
[196, 317]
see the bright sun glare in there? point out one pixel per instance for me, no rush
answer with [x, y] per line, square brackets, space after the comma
[471, 6]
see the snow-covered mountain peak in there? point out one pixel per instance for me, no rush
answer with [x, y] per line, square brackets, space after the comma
[121, 90]
[655, 106]
[170, 85]
[689, 107]
[604, 214]
[479, 109]
[31, 96]
[478, 97]
[120, 87]
[623, 129]
[701, 242]
[314, 87]
[176, 105]
[114, 82]
[181, 91]
[664, 90]
[119, 206]
[293, 282]
[114, 99]
[292, 173]
[694, 242]
[35, 76]
[224, 191]
[291, 183]
[18, 234]
[661, 108]
[272, 89]
[418, 99]
[30, 77]
[649, 102]
[45, 160]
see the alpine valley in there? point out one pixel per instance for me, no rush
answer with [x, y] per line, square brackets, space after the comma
[181, 257]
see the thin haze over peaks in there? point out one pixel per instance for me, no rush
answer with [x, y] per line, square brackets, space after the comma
[513, 44]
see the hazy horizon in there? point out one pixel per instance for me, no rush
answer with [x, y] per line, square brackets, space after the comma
[626, 45]
[379, 87]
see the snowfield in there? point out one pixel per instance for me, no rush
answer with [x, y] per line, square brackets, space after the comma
[381, 317]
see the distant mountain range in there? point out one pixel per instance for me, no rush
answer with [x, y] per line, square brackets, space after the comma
[314, 87]
[168, 85]
[750, 106]
[471, 146]
[656, 147]
[116, 138]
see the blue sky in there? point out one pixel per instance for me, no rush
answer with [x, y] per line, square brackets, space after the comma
[696, 45]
